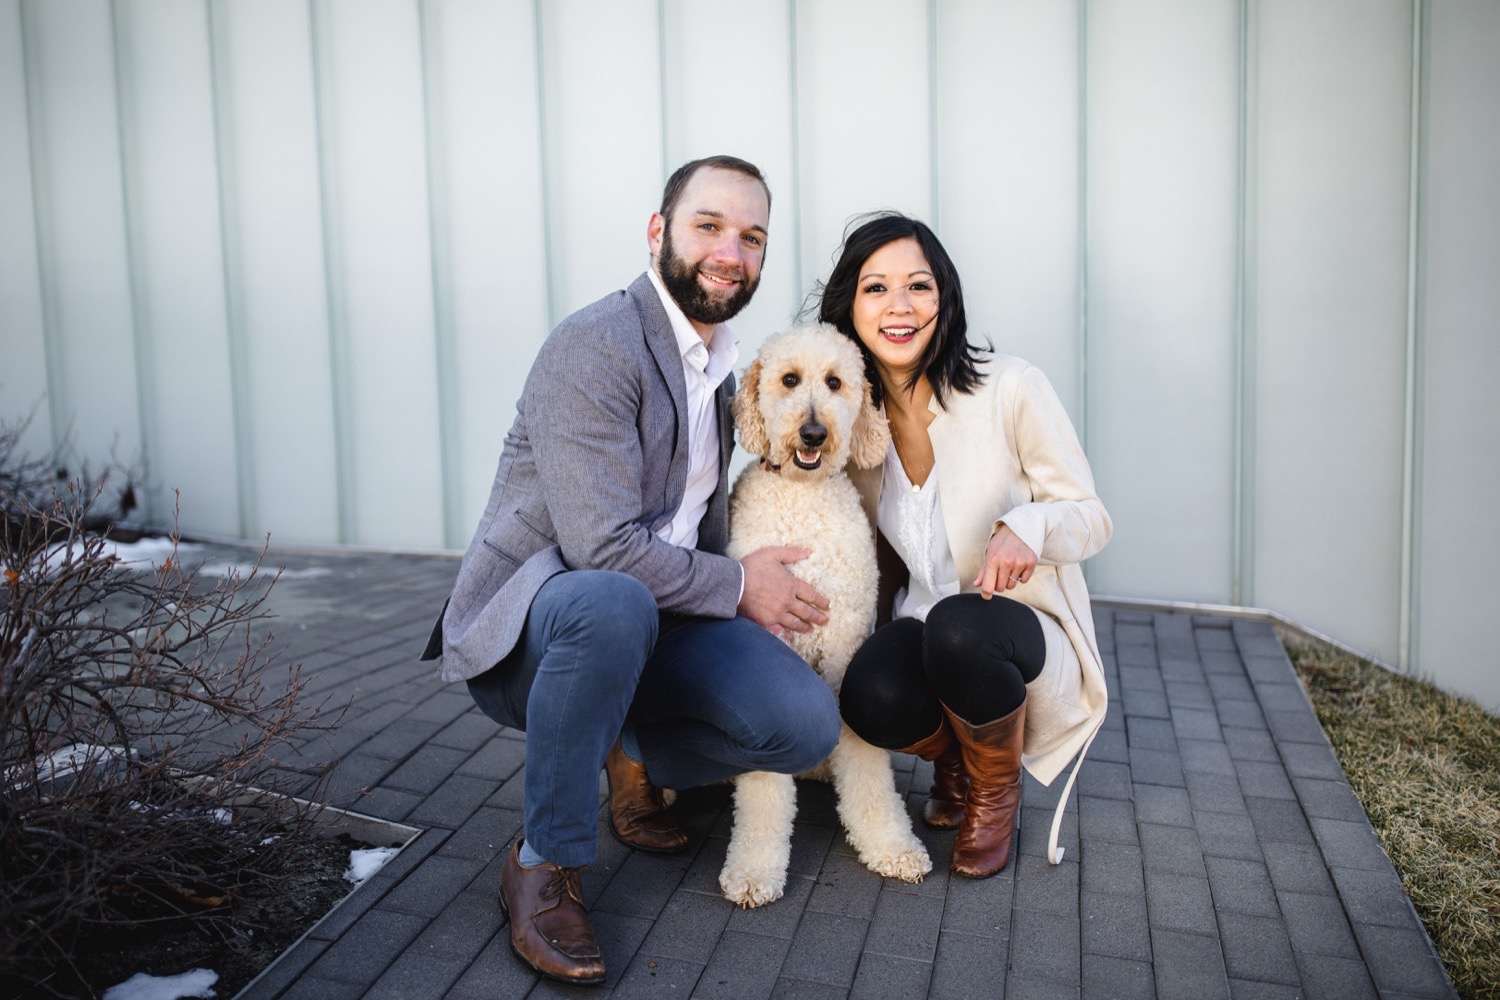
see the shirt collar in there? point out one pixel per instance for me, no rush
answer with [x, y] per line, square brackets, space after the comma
[718, 358]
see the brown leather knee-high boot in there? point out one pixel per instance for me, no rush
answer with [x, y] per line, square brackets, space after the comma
[992, 756]
[950, 782]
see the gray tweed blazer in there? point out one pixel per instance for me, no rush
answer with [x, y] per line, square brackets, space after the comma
[594, 464]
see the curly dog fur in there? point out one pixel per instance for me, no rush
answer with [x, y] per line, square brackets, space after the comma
[804, 407]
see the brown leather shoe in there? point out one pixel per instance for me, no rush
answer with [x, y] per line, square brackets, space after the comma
[950, 782]
[549, 928]
[638, 816]
[992, 756]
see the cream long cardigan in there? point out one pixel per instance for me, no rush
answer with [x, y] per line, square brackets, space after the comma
[1009, 454]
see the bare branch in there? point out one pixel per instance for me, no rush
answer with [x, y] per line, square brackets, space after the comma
[115, 682]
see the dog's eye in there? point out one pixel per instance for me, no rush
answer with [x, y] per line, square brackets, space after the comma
[790, 380]
[833, 382]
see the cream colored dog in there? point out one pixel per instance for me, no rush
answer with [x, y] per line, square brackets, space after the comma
[804, 407]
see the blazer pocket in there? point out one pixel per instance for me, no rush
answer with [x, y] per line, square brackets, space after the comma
[500, 553]
[538, 522]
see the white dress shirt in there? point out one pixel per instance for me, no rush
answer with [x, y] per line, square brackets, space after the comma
[705, 367]
[911, 519]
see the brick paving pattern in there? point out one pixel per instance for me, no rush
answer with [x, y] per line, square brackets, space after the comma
[1213, 848]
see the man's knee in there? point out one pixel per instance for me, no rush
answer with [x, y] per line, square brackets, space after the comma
[826, 728]
[806, 727]
[608, 609]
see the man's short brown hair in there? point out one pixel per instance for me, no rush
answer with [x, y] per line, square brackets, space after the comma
[672, 193]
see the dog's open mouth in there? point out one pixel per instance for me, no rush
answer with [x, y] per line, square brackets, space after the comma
[807, 459]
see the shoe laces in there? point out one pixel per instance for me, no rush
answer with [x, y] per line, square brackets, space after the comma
[564, 881]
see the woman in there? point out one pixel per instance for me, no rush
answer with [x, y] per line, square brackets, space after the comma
[989, 662]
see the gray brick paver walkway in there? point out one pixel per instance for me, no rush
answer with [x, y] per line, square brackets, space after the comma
[1221, 851]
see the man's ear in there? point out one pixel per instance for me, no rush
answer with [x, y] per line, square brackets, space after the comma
[746, 410]
[654, 228]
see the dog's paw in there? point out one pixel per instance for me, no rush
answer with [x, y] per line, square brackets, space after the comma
[908, 863]
[749, 888]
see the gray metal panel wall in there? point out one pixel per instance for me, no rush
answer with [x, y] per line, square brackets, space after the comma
[298, 254]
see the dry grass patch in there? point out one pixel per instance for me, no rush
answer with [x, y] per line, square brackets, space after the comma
[1426, 766]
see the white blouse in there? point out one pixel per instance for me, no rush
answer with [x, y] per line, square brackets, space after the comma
[911, 519]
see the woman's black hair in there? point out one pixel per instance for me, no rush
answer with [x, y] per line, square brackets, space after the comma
[950, 361]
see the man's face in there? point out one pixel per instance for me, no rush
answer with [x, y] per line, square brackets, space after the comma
[709, 253]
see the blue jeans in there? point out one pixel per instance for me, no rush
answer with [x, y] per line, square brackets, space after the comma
[707, 699]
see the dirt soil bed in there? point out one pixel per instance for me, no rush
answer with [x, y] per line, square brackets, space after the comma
[280, 910]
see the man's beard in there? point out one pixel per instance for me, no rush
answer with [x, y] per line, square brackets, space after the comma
[696, 303]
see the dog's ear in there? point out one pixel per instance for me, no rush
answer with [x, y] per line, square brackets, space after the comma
[872, 435]
[747, 419]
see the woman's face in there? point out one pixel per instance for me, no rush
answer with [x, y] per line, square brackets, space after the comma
[895, 308]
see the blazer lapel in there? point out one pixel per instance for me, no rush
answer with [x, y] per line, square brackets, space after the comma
[713, 530]
[725, 397]
[662, 344]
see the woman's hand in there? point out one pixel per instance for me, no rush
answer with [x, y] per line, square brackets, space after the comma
[1008, 561]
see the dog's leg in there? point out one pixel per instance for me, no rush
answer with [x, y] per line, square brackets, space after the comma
[760, 844]
[874, 817]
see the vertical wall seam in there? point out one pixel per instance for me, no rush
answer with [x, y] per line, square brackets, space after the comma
[543, 131]
[1237, 471]
[142, 347]
[1082, 344]
[1247, 376]
[661, 85]
[1411, 411]
[239, 364]
[338, 347]
[440, 258]
[41, 199]
[932, 116]
[1083, 226]
[794, 120]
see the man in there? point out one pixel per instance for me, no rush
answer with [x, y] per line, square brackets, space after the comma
[594, 608]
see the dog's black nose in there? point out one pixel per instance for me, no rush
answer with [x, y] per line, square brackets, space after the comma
[813, 435]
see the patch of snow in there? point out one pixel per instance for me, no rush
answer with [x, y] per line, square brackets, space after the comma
[194, 983]
[141, 556]
[364, 863]
[243, 570]
[310, 573]
[223, 816]
[73, 757]
[151, 551]
[60, 555]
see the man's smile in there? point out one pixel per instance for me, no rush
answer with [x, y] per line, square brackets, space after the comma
[719, 280]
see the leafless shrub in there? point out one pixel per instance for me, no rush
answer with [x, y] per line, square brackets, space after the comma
[115, 683]
[29, 483]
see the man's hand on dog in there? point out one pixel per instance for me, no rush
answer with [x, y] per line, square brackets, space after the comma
[776, 599]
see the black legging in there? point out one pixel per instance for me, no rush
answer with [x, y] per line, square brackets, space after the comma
[973, 655]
